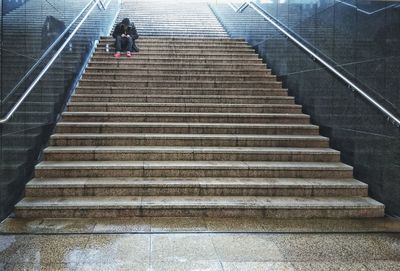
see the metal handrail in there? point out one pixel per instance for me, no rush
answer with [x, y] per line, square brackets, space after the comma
[44, 55]
[106, 5]
[368, 12]
[100, 4]
[46, 68]
[316, 57]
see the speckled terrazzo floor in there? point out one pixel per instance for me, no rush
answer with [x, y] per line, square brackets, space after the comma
[200, 244]
[202, 251]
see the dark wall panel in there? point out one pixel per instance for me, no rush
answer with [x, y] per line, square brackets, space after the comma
[363, 39]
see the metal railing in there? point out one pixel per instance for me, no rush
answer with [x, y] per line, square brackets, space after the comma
[97, 3]
[368, 12]
[284, 30]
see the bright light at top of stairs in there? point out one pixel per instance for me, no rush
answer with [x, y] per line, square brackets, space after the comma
[188, 1]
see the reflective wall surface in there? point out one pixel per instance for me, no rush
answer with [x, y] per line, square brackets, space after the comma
[28, 30]
[362, 38]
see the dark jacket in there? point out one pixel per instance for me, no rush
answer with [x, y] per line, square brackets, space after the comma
[121, 29]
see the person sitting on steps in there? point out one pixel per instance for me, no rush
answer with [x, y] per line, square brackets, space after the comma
[125, 35]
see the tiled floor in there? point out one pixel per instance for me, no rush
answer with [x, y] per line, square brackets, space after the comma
[201, 251]
[199, 244]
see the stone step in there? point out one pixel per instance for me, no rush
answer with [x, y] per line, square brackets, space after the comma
[159, 48]
[176, 26]
[293, 187]
[175, 61]
[188, 66]
[201, 23]
[182, 29]
[181, 51]
[184, 117]
[201, 41]
[183, 107]
[184, 47]
[140, 83]
[192, 34]
[258, 169]
[206, 140]
[120, 76]
[189, 31]
[180, 57]
[140, 71]
[179, 153]
[186, 128]
[127, 98]
[271, 207]
[181, 41]
[183, 91]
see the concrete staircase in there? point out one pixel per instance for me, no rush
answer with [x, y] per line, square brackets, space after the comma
[189, 127]
[172, 18]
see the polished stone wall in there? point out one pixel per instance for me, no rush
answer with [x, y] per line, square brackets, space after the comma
[28, 29]
[361, 40]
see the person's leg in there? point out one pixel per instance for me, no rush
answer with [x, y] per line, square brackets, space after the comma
[129, 41]
[130, 44]
[118, 41]
[134, 46]
[118, 46]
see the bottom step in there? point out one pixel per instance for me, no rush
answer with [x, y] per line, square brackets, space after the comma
[274, 207]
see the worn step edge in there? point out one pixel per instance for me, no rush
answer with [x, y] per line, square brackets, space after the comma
[196, 128]
[139, 64]
[150, 153]
[186, 125]
[184, 116]
[194, 150]
[201, 105]
[284, 207]
[182, 96]
[187, 140]
[194, 186]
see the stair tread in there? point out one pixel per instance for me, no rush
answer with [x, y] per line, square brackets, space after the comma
[181, 114]
[184, 124]
[199, 202]
[192, 165]
[154, 40]
[189, 136]
[145, 149]
[183, 104]
[145, 53]
[106, 95]
[155, 64]
[184, 88]
[130, 73]
[195, 182]
[112, 71]
[263, 81]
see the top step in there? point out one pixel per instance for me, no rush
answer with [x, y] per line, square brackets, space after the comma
[178, 40]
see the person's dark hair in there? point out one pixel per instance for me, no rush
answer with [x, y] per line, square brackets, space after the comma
[126, 22]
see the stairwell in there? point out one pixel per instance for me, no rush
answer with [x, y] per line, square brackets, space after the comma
[193, 125]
